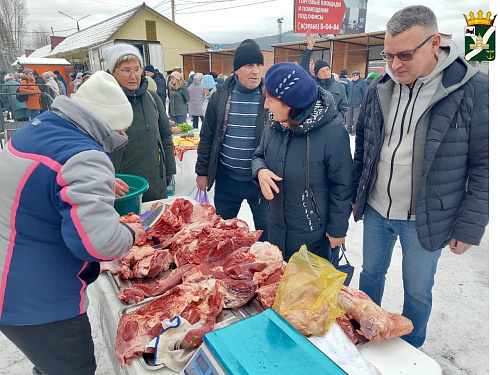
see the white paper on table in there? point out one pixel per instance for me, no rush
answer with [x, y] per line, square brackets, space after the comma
[340, 349]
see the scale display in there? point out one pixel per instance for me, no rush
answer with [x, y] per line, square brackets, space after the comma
[203, 363]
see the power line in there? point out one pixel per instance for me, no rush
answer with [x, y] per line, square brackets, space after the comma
[236, 6]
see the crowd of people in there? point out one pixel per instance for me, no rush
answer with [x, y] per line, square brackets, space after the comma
[280, 140]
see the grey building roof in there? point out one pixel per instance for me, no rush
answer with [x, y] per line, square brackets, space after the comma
[95, 34]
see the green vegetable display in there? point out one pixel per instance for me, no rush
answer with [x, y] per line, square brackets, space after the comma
[185, 127]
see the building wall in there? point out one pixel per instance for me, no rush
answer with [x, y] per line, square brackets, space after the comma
[221, 62]
[174, 39]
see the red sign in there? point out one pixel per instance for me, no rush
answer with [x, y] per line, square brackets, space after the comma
[319, 16]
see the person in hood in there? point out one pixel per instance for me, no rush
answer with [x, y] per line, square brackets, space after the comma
[323, 75]
[421, 161]
[150, 150]
[303, 160]
[59, 185]
[209, 87]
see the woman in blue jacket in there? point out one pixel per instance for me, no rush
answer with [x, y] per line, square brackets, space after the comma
[303, 164]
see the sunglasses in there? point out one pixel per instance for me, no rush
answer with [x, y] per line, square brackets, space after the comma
[403, 56]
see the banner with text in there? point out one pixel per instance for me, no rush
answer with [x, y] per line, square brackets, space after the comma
[329, 16]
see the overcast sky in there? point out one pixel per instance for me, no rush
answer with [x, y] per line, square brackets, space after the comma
[228, 21]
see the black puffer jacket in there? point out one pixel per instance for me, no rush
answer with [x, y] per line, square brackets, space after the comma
[335, 88]
[214, 129]
[297, 217]
[454, 194]
[161, 85]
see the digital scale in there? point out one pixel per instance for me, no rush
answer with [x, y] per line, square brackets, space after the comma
[264, 344]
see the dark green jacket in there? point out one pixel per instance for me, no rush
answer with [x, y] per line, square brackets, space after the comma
[150, 150]
[19, 109]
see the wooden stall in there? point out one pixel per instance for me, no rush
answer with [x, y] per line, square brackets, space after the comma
[351, 52]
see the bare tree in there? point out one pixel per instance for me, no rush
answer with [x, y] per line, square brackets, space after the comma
[40, 37]
[13, 15]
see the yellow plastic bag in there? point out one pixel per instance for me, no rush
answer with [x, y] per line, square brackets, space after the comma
[307, 295]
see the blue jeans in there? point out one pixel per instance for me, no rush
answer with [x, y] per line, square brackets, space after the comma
[179, 119]
[419, 268]
[34, 113]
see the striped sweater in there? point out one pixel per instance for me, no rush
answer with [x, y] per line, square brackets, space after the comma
[239, 142]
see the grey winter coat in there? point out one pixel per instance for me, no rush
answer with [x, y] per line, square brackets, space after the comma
[150, 150]
[214, 129]
[179, 99]
[453, 193]
[196, 99]
[296, 215]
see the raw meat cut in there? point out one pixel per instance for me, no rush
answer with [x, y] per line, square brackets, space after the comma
[171, 221]
[266, 294]
[376, 324]
[236, 292]
[138, 292]
[348, 328]
[190, 301]
[144, 261]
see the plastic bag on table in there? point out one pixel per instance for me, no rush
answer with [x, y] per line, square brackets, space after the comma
[307, 295]
[201, 197]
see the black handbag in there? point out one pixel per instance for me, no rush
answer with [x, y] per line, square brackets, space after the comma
[335, 256]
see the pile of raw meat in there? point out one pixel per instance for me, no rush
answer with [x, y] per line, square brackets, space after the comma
[216, 264]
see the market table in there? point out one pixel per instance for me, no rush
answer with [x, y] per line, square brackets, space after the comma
[391, 357]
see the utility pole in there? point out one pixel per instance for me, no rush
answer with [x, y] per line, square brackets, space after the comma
[280, 22]
[172, 5]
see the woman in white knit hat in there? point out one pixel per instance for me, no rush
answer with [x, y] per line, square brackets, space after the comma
[150, 150]
[59, 186]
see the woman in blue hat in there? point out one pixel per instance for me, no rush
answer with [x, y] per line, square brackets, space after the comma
[303, 164]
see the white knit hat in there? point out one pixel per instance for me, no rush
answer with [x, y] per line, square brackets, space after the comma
[104, 97]
[116, 52]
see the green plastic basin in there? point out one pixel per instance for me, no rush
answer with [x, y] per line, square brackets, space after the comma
[132, 201]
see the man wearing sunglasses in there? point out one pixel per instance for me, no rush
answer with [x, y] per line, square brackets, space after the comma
[421, 161]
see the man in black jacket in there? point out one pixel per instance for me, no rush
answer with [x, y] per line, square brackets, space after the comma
[421, 161]
[323, 75]
[231, 131]
[161, 83]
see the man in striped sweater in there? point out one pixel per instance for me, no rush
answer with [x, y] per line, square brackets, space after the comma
[231, 131]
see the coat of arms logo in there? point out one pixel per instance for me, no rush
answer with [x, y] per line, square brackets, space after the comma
[479, 37]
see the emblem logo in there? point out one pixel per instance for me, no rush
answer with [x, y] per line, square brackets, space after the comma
[479, 37]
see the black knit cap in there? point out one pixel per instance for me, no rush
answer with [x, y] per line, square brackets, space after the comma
[248, 52]
[318, 65]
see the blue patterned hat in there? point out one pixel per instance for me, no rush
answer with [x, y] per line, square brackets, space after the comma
[291, 84]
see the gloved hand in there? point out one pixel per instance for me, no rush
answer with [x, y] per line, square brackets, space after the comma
[169, 180]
